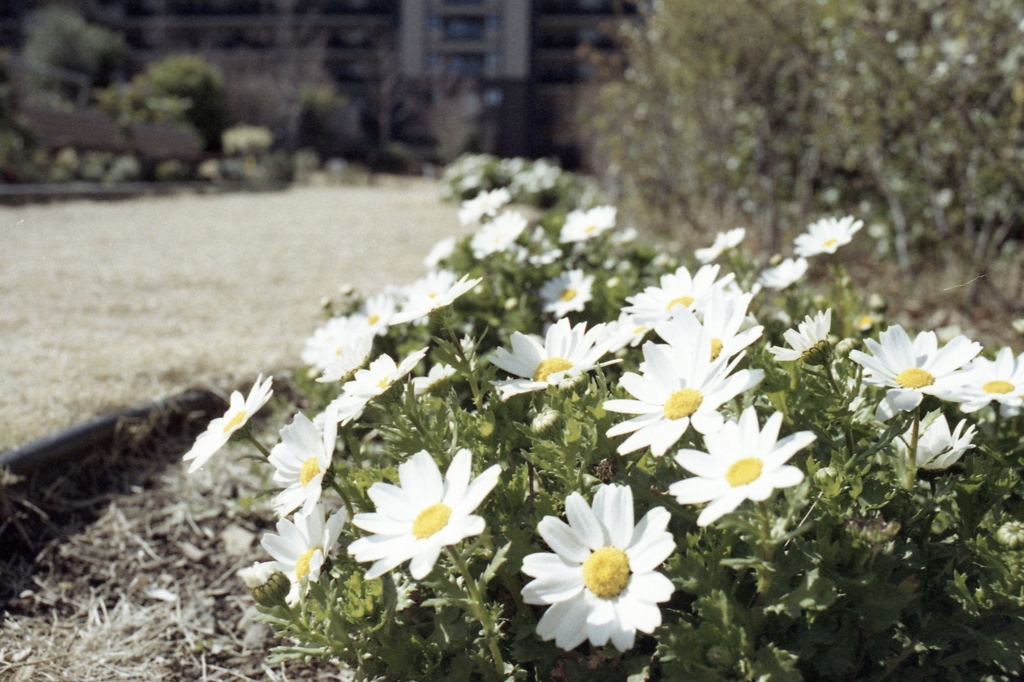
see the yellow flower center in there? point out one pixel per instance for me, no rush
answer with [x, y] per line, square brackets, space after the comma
[430, 520]
[683, 403]
[310, 469]
[744, 471]
[373, 319]
[685, 301]
[384, 383]
[568, 294]
[302, 565]
[235, 422]
[548, 367]
[829, 243]
[997, 387]
[716, 348]
[865, 322]
[915, 377]
[606, 572]
[589, 229]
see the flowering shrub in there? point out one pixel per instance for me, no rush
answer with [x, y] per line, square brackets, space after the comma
[563, 455]
[537, 183]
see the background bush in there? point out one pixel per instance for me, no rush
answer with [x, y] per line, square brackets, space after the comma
[910, 110]
[57, 36]
[192, 78]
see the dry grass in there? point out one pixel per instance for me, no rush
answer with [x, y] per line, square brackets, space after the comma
[136, 576]
[108, 305]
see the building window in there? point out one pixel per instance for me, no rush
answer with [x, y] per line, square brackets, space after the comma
[463, 28]
[466, 64]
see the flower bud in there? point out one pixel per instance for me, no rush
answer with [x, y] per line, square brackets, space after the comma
[719, 657]
[877, 304]
[571, 382]
[875, 531]
[825, 475]
[511, 303]
[1011, 534]
[267, 586]
[844, 347]
[604, 470]
[547, 423]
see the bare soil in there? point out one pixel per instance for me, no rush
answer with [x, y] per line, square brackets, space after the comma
[106, 305]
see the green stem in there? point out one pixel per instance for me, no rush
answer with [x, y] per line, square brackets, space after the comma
[344, 498]
[259, 446]
[764, 572]
[995, 425]
[478, 398]
[910, 479]
[479, 610]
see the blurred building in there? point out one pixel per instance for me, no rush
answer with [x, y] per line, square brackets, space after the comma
[505, 73]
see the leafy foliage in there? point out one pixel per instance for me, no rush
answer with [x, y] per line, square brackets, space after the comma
[868, 568]
[911, 111]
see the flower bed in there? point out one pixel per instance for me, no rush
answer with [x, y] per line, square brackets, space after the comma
[562, 454]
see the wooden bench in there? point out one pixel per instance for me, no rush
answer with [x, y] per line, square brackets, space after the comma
[95, 131]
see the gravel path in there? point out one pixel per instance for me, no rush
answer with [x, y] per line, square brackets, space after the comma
[108, 305]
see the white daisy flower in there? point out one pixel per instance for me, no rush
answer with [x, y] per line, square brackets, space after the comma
[430, 293]
[679, 386]
[485, 204]
[439, 252]
[437, 375]
[348, 356]
[805, 340]
[723, 316]
[676, 290]
[220, 430]
[376, 313]
[569, 292]
[565, 352]
[784, 274]
[329, 341]
[498, 234]
[300, 547]
[583, 225]
[257, 574]
[742, 463]
[1000, 381]
[724, 241]
[625, 331]
[414, 521]
[600, 582]
[369, 383]
[913, 369]
[937, 448]
[300, 461]
[826, 236]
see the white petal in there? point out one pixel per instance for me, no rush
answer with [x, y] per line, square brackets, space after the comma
[423, 561]
[563, 540]
[565, 622]
[613, 507]
[582, 520]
